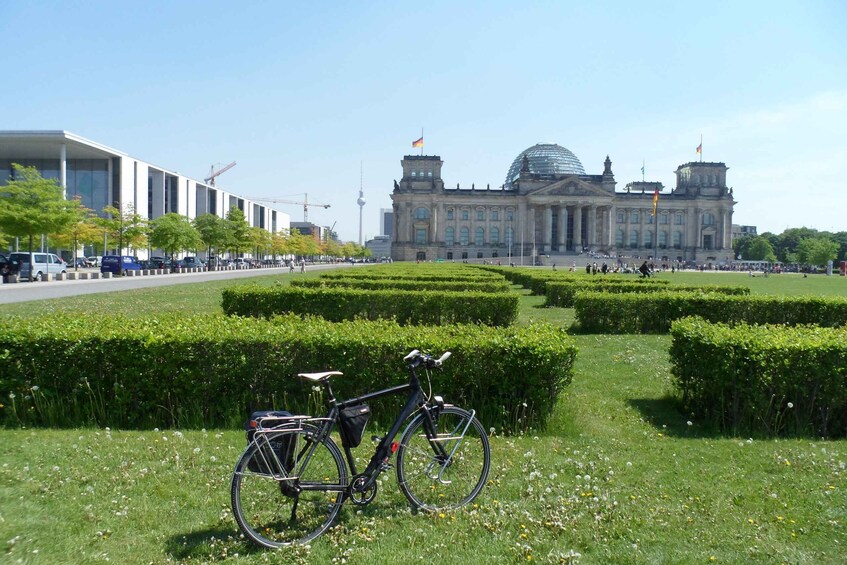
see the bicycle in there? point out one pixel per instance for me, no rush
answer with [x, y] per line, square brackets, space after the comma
[290, 483]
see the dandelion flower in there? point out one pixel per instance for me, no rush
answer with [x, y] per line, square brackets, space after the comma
[790, 405]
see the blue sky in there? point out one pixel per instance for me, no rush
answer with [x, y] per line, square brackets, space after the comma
[303, 95]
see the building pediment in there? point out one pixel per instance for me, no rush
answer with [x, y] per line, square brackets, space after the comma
[570, 186]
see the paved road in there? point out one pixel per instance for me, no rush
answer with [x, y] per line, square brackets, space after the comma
[24, 291]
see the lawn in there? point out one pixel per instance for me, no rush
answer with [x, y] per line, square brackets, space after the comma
[620, 476]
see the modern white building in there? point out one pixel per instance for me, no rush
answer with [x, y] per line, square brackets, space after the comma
[101, 176]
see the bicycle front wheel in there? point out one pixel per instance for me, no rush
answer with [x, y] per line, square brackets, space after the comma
[446, 477]
[289, 489]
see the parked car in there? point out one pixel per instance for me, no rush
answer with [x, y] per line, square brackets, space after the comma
[5, 267]
[241, 263]
[82, 262]
[93, 261]
[113, 263]
[34, 266]
[192, 262]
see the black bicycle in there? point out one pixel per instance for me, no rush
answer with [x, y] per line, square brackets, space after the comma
[290, 483]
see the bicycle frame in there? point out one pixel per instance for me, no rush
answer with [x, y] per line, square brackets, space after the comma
[384, 449]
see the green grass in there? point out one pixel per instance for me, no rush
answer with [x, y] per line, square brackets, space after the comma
[620, 477]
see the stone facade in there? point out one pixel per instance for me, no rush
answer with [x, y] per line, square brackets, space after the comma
[562, 214]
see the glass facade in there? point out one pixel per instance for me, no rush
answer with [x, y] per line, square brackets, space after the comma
[87, 179]
[545, 159]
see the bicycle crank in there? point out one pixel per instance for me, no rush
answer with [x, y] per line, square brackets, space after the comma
[358, 494]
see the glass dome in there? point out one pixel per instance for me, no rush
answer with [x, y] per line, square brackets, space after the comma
[546, 159]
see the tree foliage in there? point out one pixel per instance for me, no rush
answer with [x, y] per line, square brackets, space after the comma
[174, 233]
[212, 230]
[32, 205]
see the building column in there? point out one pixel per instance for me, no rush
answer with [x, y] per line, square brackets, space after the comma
[563, 228]
[610, 238]
[63, 169]
[433, 232]
[577, 228]
[592, 227]
[548, 229]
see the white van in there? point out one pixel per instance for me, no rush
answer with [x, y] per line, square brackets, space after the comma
[40, 265]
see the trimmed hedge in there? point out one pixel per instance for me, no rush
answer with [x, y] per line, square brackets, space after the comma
[406, 284]
[653, 312]
[561, 294]
[405, 306]
[211, 371]
[749, 379]
[536, 280]
[414, 276]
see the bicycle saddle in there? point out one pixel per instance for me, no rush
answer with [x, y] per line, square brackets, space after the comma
[316, 377]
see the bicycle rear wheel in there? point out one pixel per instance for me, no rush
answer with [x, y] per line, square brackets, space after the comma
[429, 479]
[291, 493]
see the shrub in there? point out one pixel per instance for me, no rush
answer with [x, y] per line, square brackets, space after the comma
[653, 312]
[405, 306]
[561, 294]
[762, 378]
[211, 371]
[477, 285]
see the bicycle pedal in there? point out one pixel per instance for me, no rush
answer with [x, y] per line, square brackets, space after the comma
[385, 466]
[376, 438]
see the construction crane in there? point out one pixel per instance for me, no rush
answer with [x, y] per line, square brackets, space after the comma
[213, 173]
[304, 203]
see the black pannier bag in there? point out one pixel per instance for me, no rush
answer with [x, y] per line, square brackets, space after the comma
[283, 446]
[353, 421]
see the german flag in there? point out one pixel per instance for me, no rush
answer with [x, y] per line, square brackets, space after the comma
[418, 142]
[655, 201]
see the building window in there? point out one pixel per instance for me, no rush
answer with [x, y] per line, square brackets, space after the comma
[649, 219]
[449, 213]
[635, 218]
[708, 219]
[677, 240]
[679, 220]
[648, 239]
[480, 236]
[420, 236]
[664, 220]
[510, 236]
[663, 239]
[449, 255]
[479, 254]
[429, 174]
[633, 238]
[421, 214]
[464, 254]
[450, 236]
[495, 215]
[414, 173]
[495, 236]
[480, 215]
[464, 236]
[620, 217]
[619, 238]
[465, 214]
[510, 215]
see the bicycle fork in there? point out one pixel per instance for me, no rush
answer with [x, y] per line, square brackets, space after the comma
[438, 442]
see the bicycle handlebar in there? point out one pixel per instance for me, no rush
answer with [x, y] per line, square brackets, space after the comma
[415, 358]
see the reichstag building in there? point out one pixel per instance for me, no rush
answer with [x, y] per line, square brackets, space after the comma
[549, 209]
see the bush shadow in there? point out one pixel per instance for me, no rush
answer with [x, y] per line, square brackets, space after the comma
[204, 544]
[664, 415]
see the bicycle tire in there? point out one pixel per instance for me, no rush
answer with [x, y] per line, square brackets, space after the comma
[423, 479]
[276, 513]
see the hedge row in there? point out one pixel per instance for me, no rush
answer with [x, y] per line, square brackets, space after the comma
[536, 280]
[653, 312]
[405, 306]
[406, 284]
[211, 371]
[431, 275]
[562, 294]
[748, 379]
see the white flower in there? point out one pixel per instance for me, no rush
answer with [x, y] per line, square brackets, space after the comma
[11, 395]
[790, 405]
[690, 423]
[196, 450]
[34, 388]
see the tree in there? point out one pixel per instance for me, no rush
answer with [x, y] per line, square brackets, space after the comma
[816, 250]
[173, 233]
[236, 227]
[212, 230]
[260, 241]
[83, 231]
[32, 205]
[128, 228]
[760, 249]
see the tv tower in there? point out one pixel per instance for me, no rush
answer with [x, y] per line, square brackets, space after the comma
[360, 202]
